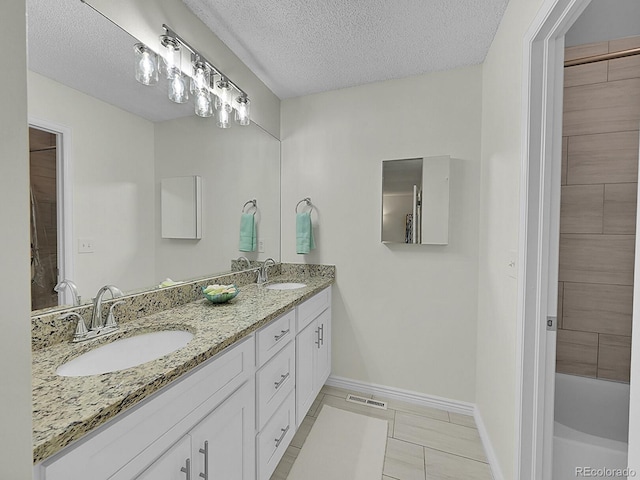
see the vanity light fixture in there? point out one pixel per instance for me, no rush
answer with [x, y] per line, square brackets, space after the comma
[203, 80]
[146, 66]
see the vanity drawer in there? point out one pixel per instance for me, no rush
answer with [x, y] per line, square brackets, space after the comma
[275, 437]
[274, 382]
[271, 338]
[313, 307]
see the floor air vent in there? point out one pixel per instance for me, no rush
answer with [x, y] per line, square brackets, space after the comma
[367, 401]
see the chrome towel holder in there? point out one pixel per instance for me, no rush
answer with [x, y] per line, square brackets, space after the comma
[254, 204]
[306, 200]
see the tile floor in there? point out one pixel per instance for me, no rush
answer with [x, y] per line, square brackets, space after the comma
[423, 443]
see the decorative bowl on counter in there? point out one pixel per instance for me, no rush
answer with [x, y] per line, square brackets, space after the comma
[220, 293]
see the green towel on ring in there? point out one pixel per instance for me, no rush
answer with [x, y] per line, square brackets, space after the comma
[304, 233]
[248, 240]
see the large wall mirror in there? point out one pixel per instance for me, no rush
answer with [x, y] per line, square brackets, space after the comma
[101, 145]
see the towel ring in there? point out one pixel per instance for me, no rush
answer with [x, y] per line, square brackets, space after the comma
[254, 204]
[306, 200]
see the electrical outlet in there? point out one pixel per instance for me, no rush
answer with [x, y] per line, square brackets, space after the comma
[260, 246]
[85, 245]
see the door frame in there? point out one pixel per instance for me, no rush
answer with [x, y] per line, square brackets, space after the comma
[64, 201]
[543, 59]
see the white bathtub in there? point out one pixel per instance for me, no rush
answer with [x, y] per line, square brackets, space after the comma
[591, 425]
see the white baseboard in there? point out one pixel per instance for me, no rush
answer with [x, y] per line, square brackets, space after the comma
[408, 396]
[496, 471]
[416, 398]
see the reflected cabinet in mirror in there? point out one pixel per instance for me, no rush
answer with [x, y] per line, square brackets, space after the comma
[113, 142]
[415, 201]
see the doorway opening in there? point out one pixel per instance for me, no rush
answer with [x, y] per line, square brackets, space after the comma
[43, 154]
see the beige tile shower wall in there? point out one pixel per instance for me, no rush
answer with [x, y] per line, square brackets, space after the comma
[598, 212]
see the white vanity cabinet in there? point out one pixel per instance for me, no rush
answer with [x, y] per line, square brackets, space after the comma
[153, 433]
[313, 350]
[220, 446]
[231, 418]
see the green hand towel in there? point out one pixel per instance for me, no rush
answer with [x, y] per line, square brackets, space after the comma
[304, 233]
[248, 240]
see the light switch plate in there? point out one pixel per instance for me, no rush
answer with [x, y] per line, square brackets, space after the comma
[260, 246]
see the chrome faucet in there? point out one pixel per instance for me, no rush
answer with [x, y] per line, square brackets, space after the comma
[96, 318]
[72, 288]
[263, 274]
[246, 260]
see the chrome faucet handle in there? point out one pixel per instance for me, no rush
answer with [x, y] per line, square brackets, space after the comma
[111, 320]
[81, 327]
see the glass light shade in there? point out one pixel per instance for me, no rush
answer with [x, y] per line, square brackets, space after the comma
[201, 77]
[171, 59]
[204, 105]
[146, 66]
[178, 88]
[224, 112]
[224, 95]
[243, 105]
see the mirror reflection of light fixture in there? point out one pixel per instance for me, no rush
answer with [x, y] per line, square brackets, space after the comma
[204, 106]
[146, 64]
[178, 89]
[199, 80]
[223, 103]
[242, 110]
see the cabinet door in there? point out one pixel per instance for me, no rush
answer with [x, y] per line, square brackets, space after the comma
[323, 353]
[173, 465]
[223, 446]
[306, 346]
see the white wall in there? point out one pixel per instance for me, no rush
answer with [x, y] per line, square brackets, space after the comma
[404, 315]
[605, 20]
[499, 219]
[236, 165]
[144, 18]
[15, 340]
[113, 185]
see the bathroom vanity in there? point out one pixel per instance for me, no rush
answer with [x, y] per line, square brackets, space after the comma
[225, 406]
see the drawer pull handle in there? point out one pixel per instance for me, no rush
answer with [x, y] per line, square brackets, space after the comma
[317, 342]
[284, 432]
[282, 379]
[321, 334]
[205, 452]
[187, 469]
[282, 334]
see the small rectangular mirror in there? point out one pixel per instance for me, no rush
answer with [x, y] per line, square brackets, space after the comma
[415, 200]
[181, 205]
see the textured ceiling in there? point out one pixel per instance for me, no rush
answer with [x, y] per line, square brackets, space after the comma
[298, 47]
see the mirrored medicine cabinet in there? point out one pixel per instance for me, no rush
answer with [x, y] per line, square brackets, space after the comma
[415, 201]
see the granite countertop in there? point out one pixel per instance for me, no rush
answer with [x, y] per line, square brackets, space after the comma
[66, 408]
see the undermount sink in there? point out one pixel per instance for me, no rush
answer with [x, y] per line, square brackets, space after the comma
[125, 353]
[286, 286]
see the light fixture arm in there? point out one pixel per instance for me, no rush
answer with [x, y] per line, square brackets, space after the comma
[171, 33]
